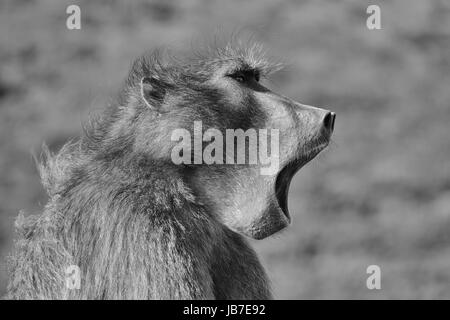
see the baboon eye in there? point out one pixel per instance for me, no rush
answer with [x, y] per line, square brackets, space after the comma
[239, 77]
[244, 77]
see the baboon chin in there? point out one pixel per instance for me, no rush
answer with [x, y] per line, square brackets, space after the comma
[143, 212]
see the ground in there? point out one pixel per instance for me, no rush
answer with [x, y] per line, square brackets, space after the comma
[379, 195]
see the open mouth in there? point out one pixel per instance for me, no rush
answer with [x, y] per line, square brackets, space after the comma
[286, 174]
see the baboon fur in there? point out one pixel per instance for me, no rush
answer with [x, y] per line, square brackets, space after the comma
[137, 225]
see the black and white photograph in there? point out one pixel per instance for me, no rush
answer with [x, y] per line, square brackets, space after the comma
[224, 150]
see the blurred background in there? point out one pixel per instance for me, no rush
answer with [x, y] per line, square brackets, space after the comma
[380, 195]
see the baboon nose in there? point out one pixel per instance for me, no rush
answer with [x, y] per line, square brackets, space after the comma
[328, 121]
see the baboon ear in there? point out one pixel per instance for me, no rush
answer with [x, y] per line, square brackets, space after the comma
[152, 90]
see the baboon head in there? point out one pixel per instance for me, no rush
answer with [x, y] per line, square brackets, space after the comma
[184, 114]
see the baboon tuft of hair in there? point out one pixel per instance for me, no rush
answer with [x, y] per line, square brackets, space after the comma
[136, 225]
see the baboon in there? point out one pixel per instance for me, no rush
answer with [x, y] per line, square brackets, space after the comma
[139, 226]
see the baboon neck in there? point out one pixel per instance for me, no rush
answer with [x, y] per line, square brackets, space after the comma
[155, 183]
[116, 221]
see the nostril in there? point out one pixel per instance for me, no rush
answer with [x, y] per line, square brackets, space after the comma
[328, 121]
